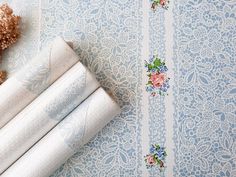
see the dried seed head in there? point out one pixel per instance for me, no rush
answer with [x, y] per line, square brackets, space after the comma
[3, 76]
[9, 27]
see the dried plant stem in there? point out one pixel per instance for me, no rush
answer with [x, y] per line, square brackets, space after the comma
[3, 76]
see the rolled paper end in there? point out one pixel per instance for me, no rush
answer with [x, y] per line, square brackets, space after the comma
[88, 119]
[110, 99]
[70, 44]
[111, 94]
[74, 131]
[101, 110]
[61, 40]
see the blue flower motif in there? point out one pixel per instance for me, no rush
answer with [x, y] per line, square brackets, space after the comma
[154, 70]
[152, 149]
[156, 157]
[165, 86]
[160, 153]
[164, 89]
[163, 68]
[149, 88]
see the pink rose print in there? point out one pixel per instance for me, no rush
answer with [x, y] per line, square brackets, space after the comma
[158, 79]
[156, 157]
[162, 3]
[150, 160]
[158, 82]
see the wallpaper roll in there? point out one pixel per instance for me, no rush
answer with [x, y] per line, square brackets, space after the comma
[36, 76]
[44, 113]
[66, 138]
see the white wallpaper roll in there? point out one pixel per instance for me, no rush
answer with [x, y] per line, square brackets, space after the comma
[66, 138]
[44, 113]
[36, 76]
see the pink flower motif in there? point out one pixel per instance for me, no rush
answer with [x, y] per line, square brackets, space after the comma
[158, 79]
[150, 160]
[162, 2]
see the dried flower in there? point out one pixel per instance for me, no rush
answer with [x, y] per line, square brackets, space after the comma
[9, 32]
[3, 76]
[9, 27]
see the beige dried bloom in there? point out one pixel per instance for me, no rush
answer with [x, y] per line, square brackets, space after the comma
[9, 27]
[3, 76]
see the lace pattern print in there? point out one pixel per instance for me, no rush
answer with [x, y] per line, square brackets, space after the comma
[60, 106]
[73, 129]
[106, 36]
[204, 57]
[37, 75]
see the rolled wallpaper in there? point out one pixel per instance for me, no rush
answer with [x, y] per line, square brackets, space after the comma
[44, 113]
[66, 138]
[36, 76]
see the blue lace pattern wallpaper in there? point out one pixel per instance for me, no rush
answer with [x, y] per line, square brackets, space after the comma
[195, 121]
[205, 102]
[107, 37]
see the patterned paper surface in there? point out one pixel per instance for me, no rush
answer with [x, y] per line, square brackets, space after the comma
[195, 122]
[205, 117]
[107, 37]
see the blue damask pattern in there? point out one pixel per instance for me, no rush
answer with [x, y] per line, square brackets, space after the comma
[205, 92]
[156, 104]
[59, 107]
[72, 129]
[107, 35]
[36, 75]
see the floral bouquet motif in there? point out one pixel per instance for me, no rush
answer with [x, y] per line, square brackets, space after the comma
[162, 3]
[156, 157]
[158, 82]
